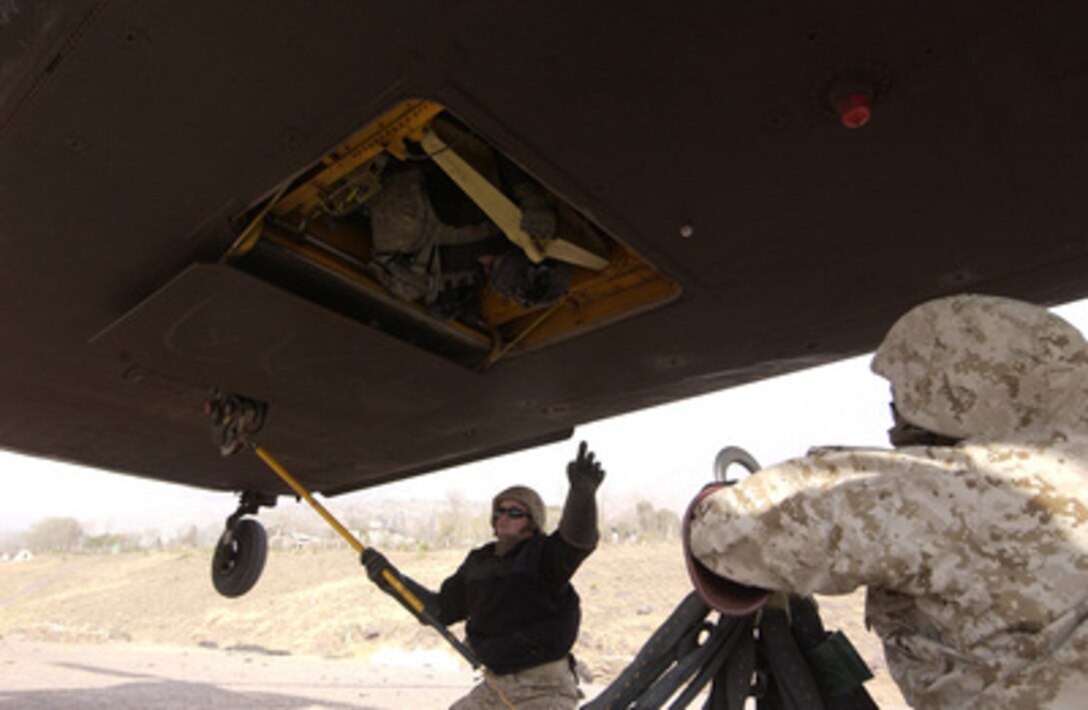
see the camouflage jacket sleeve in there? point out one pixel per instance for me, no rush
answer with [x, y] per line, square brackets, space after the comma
[907, 519]
[974, 557]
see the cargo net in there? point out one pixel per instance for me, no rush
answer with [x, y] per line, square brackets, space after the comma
[777, 657]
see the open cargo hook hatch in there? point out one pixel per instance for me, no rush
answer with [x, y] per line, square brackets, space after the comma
[418, 227]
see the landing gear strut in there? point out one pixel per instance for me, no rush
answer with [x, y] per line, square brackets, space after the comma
[242, 549]
[240, 554]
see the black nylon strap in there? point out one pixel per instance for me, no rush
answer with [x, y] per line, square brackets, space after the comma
[789, 670]
[784, 660]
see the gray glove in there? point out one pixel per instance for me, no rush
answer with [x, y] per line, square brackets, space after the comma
[578, 525]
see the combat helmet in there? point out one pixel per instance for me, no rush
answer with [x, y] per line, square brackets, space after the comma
[985, 366]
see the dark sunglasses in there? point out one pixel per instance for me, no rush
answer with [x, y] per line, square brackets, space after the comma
[514, 513]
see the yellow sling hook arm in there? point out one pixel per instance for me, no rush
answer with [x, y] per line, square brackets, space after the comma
[402, 593]
[303, 493]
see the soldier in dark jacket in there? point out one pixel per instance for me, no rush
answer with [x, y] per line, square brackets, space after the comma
[515, 593]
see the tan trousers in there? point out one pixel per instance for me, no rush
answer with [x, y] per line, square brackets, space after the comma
[549, 686]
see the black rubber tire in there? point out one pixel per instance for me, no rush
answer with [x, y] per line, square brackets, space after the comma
[239, 558]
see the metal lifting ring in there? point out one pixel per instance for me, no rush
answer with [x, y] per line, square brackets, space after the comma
[729, 456]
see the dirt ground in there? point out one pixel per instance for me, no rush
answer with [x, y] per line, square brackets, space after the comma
[317, 605]
[54, 676]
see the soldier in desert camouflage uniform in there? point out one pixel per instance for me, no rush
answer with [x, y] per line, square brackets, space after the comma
[971, 535]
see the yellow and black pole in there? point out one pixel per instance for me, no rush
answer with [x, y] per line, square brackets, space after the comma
[396, 587]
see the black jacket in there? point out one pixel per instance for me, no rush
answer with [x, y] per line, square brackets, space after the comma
[521, 608]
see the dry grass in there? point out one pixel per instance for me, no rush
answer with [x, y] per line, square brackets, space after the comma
[319, 603]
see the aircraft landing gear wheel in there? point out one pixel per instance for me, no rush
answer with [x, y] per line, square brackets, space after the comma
[239, 558]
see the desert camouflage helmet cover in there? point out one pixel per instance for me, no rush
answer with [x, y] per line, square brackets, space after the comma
[528, 498]
[985, 366]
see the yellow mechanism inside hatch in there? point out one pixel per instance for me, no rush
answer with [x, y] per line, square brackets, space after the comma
[419, 214]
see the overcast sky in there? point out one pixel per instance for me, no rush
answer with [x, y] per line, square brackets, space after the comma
[664, 455]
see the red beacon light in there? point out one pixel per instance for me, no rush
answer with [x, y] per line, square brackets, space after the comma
[854, 109]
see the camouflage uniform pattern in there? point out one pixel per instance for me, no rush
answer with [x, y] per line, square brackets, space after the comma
[549, 686]
[974, 555]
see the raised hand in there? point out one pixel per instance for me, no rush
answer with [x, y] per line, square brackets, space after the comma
[585, 471]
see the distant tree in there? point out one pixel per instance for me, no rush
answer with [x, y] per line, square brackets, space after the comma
[55, 535]
[646, 518]
[457, 524]
[108, 542]
[661, 524]
[190, 538]
[667, 524]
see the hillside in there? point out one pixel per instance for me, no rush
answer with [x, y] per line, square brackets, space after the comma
[318, 602]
